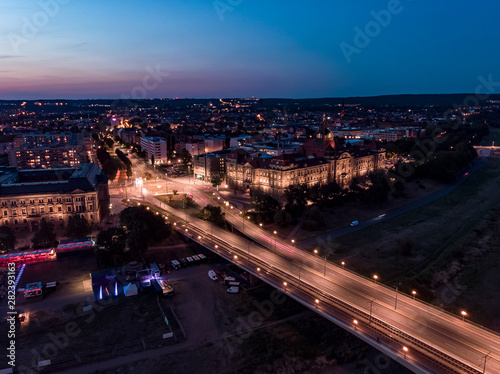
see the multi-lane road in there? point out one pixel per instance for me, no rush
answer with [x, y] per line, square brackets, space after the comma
[387, 319]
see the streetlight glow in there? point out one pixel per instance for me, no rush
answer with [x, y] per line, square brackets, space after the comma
[414, 293]
[464, 314]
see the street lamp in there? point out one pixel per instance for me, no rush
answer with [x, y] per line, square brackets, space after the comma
[375, 277]
[371, 307]
[235, 257]
[405, 350]
[396, 301]
[464, 314]
[258, 269]
[317, 302]
[343, 264]
[355, 324]
[275, 233]
[414, 293]
[293, 241]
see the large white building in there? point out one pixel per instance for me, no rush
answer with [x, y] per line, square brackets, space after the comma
[154, 146]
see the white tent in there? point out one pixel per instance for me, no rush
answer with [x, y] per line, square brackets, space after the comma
[130, 289]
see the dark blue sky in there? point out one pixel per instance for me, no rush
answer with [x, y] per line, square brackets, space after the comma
[206, 48]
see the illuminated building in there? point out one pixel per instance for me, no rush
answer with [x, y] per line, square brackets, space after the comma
[27, 196]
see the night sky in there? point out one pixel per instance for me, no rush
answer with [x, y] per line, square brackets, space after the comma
[206, 48]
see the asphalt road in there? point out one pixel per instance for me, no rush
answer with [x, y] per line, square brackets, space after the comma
[395, 212]
[462, 340]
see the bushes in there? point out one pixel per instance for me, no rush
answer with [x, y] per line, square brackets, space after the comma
[314, 219]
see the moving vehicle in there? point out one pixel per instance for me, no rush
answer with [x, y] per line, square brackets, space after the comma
[212, 275]
[354, 223]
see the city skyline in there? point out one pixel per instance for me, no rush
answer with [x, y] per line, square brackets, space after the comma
[63, 49]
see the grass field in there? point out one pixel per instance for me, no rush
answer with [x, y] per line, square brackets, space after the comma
[453, 245]
[494, 136]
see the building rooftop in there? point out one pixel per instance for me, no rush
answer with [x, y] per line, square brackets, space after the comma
[85, 177]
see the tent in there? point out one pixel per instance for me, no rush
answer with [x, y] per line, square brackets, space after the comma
[130, 289]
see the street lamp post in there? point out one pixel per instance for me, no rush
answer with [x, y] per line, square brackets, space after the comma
[464, 314]
[371, 306]
[275, 238]
[414, 293]
[396, 301]
[485, 358]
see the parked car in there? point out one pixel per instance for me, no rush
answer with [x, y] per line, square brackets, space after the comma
[233, 289]
[212, 275]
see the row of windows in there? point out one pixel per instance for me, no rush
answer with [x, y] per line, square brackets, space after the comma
[49, 201]
[79, 208]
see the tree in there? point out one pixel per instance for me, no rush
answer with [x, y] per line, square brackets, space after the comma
[7, 239]
[153, 160]
[296, 199]
[77, 227]
[110, 167]
[143, 227]
[185, 156]
[112, 240]
[265, 204]
[188, 201]
[282, 218]
[216, 180]
[214, 214]
[314, 219]
[45, 237]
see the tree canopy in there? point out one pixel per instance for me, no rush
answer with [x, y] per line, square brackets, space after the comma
[77, 227]
[7, 239]
[214, 214]
[45, 237]
[143, 227]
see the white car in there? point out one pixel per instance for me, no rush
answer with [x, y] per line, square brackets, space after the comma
[233, 289]
[212, 275]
